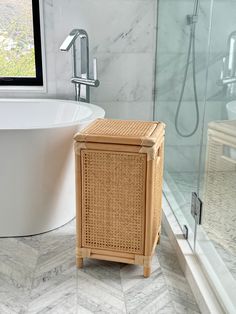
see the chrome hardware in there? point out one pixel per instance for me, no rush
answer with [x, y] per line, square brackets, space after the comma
[185, 232]
[224, 80]
[95, 69]
[191, 18]
[87, 81]
[227, 81]
[228, 71]
[196, 211]
[70, 40]
[82, 82]
[196, 208]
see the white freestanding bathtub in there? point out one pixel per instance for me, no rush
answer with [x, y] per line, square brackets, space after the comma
[37, 162]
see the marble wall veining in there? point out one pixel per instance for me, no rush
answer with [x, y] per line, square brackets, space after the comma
[122, 35]
[182, 153]
[214, 25]
[173, 39]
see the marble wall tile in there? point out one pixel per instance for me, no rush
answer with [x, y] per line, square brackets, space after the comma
[122, 36]
[128, 110]
[173, 38]
[170, 76]
[48, 26]
[182, 158]
[173, 35]
[223, 24]
[172, 45]
[48, 51]
[113, 26]
[124, 77]
[166, 111]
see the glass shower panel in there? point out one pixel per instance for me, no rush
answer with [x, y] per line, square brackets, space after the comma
[216, 245]
[180, 88]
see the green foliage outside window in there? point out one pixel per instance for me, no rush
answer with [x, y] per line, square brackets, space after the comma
[16, 39]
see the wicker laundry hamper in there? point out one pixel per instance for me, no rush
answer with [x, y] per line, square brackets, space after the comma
[219, 213]
[119, 169]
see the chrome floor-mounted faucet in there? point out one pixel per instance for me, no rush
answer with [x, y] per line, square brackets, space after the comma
[228, 72]
[82, 82]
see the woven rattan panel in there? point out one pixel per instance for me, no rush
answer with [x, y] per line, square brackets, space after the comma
[121, 128]
[113, 210]
[219, 214]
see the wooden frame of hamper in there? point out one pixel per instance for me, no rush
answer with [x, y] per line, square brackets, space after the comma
[119, 170]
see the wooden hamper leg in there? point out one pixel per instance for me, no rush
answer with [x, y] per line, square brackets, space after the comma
[79, 262]
[146, 271]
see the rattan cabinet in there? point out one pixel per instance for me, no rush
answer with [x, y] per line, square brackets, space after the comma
[219, 212]
[119, 169]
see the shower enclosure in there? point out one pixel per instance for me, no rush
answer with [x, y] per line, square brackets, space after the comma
[196, 98]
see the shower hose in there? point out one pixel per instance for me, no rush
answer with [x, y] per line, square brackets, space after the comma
[191, 48]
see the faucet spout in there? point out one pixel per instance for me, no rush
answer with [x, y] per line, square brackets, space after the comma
[69, 41]
[71, 38]
[82, 82]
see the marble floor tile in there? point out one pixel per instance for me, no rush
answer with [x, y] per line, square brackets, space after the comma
[18, 259]
[148, 295]
[12, 299]
[38, 275]
[54, 283]
[178, 287]
[57, 295]
[99, 287]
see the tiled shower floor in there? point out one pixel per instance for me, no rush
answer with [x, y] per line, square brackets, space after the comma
[38, 275]
[181, 186]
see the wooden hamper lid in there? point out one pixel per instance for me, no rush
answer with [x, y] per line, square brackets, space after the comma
[129, 132]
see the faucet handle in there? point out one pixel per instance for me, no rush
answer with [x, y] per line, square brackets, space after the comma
[95, 69]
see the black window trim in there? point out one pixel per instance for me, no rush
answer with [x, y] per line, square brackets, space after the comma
[30, 81]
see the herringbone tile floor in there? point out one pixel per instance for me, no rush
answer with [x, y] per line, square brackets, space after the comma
[38, 275]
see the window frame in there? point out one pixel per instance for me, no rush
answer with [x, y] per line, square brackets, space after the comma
[38, 79]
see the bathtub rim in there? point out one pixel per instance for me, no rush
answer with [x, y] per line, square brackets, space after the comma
[96, 112]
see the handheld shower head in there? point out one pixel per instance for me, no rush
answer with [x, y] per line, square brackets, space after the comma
[71, 38]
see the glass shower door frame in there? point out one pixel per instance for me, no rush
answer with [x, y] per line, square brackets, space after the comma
[218, 275]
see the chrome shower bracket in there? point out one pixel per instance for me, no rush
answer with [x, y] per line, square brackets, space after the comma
[191, 19]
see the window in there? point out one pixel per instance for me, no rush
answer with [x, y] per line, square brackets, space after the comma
[20, 43]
